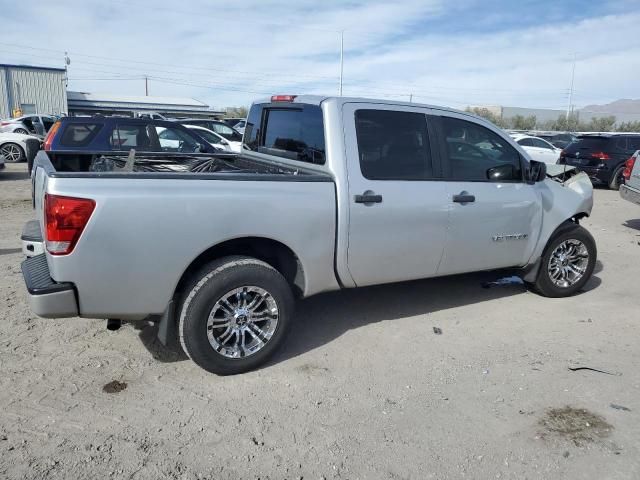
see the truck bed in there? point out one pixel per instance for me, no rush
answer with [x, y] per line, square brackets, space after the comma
[73, 164]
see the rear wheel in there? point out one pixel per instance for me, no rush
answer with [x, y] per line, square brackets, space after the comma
[567, 263]
[12, 152]
[617, 179]
[21, 130]
[234, 315]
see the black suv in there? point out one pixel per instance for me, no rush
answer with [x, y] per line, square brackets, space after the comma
[601, 156]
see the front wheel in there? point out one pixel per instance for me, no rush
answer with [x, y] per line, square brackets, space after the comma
[567, 263]
[234, 315]
[21, 130]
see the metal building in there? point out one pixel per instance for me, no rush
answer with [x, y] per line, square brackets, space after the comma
[26, 90]
[81, 103]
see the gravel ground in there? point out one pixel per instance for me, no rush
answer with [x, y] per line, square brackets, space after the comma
[364, 389]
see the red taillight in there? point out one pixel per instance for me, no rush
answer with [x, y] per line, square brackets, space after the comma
[52, 133]
[628, 167]
[65, 219]
[283, 98]
[4, 124]
[600, 156]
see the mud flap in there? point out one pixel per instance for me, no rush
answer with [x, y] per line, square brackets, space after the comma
[167, 326]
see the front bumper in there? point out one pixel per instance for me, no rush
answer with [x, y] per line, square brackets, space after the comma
[48, 298]
[630, 194]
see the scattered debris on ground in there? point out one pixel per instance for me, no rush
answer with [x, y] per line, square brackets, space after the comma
[578, 425]
[114, 387]
[576, 369]
[620, 407]
[437, 330]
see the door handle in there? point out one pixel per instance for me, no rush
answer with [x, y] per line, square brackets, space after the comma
[368, 198]
[464, 197]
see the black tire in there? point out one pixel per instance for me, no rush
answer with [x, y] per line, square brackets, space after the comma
[21, 130]
[616, 179]
[210, 285]
[15, 147]
[544, 285]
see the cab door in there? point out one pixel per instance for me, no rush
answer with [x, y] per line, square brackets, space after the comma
[495, 215]
[397, 200]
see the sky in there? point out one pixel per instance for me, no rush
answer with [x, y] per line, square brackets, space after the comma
[452, 53]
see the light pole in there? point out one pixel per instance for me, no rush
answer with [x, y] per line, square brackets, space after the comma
[573, 74]
[341, 59]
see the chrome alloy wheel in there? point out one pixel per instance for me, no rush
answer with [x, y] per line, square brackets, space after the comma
[242, 322]
[11, 152]
[568, 263]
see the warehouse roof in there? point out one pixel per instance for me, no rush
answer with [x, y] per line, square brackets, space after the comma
[102, 98]
[31, 67]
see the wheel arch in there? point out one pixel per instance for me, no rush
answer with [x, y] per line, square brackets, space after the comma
[275, 253]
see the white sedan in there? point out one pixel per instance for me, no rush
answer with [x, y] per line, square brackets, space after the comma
[537, 148]
[13, 146]
[216, 140]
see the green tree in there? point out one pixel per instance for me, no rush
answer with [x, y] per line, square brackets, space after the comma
[236, 112]
[487, 115]
[601, 124]
[520, 122]
[629, 126]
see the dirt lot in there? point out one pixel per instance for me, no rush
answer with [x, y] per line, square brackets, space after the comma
[365, 388]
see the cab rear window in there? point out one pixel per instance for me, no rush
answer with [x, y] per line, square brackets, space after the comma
[79, 134]
[295, 132]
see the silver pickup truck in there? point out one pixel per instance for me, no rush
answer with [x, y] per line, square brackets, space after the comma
[328, 193]
[630, 190]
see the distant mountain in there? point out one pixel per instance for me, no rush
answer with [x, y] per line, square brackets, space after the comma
[625, 105]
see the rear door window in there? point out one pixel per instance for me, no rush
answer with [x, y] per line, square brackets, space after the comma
[296, 133]
[393, 145]
[79, 134]
[634, 143]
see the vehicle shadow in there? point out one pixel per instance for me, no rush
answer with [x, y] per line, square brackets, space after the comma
[635, 224]
[12, 175]
[323, 318]
[148, 334]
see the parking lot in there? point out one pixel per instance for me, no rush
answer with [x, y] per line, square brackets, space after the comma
[443, 378]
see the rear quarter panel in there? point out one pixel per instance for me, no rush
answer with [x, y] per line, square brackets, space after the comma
[145, 232]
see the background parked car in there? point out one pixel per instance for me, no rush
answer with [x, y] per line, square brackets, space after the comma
[103, 134]
[16, 147]
[28, 124]
[558, 140]
[602, 156]
[537, 148]
[216, 140]
[221, 128]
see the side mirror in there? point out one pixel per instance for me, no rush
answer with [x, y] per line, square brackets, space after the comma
[537, 172]
[501, 173]
[201, 148]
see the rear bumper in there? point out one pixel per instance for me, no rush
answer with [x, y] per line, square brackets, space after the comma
[630, 194]
[48, 298]
[31, 237]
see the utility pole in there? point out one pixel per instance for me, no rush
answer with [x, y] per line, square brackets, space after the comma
[341, 58]
[411, 98]
[573, 74]
[146, 86]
